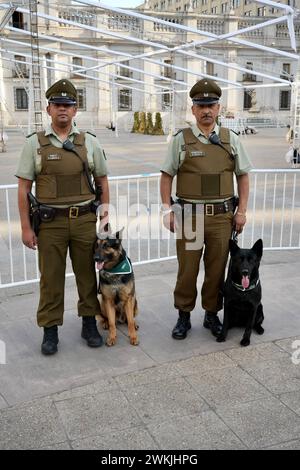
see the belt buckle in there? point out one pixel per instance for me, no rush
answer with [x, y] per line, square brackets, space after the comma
[209, 209]
[73, 212]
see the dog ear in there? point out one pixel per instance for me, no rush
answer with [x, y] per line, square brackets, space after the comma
[119, 234]
[258, 248]
[233, 247]
[104, 232]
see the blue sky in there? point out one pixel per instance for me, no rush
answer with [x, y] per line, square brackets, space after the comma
[123, 3]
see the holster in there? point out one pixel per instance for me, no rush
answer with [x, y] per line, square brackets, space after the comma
[35, 220]
[39, 213]
[47, 214]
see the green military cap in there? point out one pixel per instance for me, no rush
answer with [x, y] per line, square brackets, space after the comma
[62, 91]
[205, 92]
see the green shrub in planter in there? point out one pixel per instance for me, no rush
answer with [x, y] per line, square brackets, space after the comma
[142, 126]
[149, 124]
[158, 129]
[136, 123]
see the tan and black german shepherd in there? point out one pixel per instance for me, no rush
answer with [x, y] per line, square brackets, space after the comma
[116, 286]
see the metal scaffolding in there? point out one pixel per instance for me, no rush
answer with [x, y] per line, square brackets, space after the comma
[35, 67]
[295, 140]
[161, 83]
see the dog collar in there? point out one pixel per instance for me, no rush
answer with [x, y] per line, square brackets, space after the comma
[240, 287]
[124, 267]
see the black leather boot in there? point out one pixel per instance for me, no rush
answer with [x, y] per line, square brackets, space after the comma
[212, 322]
[50, 340]
[90, 332]
[182, 326]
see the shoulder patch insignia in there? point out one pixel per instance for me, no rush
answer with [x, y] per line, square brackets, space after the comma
[91, 133]
[29, 135]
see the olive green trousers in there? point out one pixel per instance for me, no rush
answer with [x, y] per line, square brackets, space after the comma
[217, 232]
[55, 238]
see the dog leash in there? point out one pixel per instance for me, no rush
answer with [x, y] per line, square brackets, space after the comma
[234, 236]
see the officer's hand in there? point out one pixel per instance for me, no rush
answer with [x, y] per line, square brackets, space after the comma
[239, 221]
[29, 238]
[169, 222]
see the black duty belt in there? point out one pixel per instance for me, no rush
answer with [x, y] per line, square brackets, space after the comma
[212, 208]
[74, 211]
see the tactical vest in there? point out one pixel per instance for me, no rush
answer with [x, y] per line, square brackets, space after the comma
[207, 170]
[62, 179]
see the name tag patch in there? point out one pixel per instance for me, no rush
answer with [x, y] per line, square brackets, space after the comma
[197, 153]
[54, 156]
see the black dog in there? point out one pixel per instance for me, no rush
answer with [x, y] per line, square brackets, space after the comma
[242, 292]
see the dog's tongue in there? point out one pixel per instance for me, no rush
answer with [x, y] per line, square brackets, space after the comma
[245, 282]
[100, 266]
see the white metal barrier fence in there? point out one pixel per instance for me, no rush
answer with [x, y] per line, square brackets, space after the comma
[273, 214]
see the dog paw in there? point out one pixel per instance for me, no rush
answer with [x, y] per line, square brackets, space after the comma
[259, 330]
[220, 339]
[111, 341]
[134, 341]
[104, 325]
[245, 342]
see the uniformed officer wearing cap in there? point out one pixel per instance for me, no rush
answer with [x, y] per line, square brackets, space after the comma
[204, 158]
[62, 183]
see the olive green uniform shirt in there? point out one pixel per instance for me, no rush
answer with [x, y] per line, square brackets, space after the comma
[176, 153]
[30, 163]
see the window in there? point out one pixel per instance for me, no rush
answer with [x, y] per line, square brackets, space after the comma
[224, 7]
[167, 71]
[18, 20]
[249, 77]
[247, 100]
[81, 95]
[261, 11]
[21, 99]
[210, 68]
[166, 100]
[286, 71]
[236, 3]
[248, 13]
[21, 70]
[77, 62]
[125, 100]
[285, 99]
[214, 10]
[124, 71]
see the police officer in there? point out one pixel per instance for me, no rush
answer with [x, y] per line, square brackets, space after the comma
[63, 184]
[204, 157]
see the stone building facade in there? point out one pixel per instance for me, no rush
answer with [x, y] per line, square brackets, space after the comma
[109, 90]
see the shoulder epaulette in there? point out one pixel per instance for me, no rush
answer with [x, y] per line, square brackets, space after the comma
[180, 130]
[91, 133]
[29, 135]
[236, 133]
